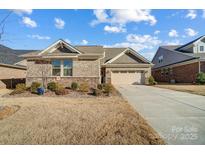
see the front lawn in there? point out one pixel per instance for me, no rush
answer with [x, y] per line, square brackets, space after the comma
[194, 89]
[64, 120]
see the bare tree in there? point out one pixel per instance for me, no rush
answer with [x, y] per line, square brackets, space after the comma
[3, 23]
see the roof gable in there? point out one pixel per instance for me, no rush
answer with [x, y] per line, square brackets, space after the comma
[93, 49]
[59, 46]
[129, 51]
[128, 58]
[111, 53]
[170, 56]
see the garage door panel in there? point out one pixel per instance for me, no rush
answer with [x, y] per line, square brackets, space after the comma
[126, 77]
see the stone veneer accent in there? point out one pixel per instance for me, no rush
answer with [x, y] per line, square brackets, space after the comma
[65, 81]
[86, 68]
[83, 71]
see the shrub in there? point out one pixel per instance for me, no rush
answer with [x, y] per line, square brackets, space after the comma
[108, 88]
[61, 91]
[35, 86]
[84, 87]
[20, 88]
[200, 79]
[152, 81]
[52, 86]
[100, 86]
[96, 92]
[74, 86]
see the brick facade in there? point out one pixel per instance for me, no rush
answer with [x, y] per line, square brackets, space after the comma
[202, 65]
[181, 74]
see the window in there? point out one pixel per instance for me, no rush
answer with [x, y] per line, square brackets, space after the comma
[67, 68]
[201, 48]
[56, 65]
[160, 59]
[62, 67]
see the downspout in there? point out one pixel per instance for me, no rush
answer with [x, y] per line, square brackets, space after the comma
[100, 65]
[199, 66]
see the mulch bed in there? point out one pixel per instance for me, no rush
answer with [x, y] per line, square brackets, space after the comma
[6, 111]
[71, 94]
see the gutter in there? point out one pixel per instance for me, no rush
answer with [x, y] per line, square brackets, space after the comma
[127, 65]
[196, 60]
[13, 66]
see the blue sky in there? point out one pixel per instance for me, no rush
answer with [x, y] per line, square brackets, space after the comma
[143, 30]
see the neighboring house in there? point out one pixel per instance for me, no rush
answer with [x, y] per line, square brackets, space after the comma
[11, 72]
[64, 63]
[179, 63]
[10, 75]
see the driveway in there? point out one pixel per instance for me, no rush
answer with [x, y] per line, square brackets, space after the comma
[178, 117]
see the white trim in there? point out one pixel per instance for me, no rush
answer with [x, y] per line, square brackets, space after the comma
[52, 50]
[61, 69]
[127, 65]
[132, 51]
[195, 43]
[140, 56]
[54, 57]
[192, 44]
[59, 41]
[116, 57]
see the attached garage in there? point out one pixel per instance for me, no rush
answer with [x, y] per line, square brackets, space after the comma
[125, 66]
[127, 77]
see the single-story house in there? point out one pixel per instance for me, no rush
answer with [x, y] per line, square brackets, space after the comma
[64, 63]
[12, 70]
[180, 63]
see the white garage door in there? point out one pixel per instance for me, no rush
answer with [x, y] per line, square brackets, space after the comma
[126, 77]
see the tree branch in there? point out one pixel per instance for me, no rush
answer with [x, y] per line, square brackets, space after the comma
[3, 23]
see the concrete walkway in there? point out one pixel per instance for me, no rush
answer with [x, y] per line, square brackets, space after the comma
[178, 117]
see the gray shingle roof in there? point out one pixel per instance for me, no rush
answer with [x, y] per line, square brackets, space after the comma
[112, 52]
[170, 47]
[90, 49]
[93, 49]
[176, 47]
[170, 56]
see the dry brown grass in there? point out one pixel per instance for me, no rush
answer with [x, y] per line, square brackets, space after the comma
[6, 111]
[194, 89]
[61, 120]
